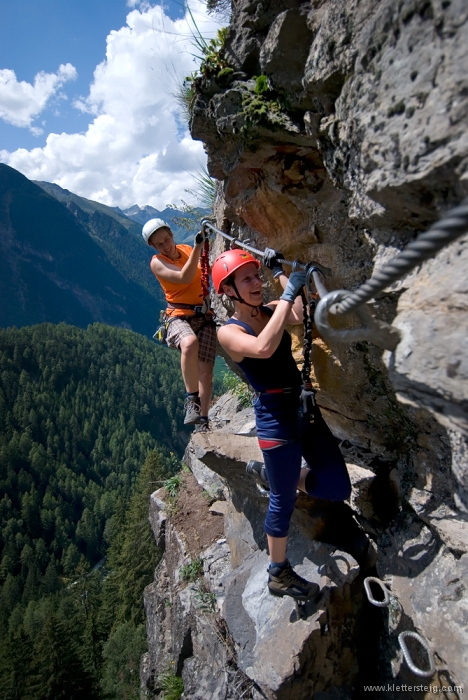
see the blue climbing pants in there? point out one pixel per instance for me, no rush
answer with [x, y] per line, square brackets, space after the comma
[285, 436]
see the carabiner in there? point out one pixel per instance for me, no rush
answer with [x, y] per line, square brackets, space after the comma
[297, 264]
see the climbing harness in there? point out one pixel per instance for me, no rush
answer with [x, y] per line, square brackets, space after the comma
[199, 310]
[341, 301]
[161, 330]
[424, 673]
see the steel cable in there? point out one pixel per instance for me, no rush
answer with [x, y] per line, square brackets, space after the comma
[255, 251]
[428, 244]
[338, 302]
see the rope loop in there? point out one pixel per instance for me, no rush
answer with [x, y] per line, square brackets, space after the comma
[407, 656]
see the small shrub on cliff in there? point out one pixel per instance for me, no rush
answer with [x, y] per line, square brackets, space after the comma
[257, 109]
[231, 382]
[172, 686]
[172, 485]
[185, 95]
[190, 572]
[205, 600]
[261, 85]
[205, 188]
[213, 63]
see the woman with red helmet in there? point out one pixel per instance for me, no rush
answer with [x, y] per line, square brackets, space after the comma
[256, 339]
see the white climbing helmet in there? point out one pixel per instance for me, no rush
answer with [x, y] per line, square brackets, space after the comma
[151, 226]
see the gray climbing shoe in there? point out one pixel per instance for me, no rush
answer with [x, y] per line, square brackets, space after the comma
[258, 471]
[192, 411]
[287, 582]
[203, 427]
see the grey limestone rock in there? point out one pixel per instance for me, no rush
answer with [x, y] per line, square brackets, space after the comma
[219, 632]
[360, 143]
[429, 586]
[361, 494]
[284, 52]
[206, 478]
[158, 518]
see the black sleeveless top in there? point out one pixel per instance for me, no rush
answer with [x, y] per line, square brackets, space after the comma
[276, 372]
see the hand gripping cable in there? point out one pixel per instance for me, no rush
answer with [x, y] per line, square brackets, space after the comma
[341, 301]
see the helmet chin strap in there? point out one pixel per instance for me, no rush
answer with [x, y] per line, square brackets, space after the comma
[255, 307]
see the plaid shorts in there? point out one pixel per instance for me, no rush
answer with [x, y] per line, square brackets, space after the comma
[194, 325]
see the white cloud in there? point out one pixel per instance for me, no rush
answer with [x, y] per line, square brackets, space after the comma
[21, 102]
[133, 150]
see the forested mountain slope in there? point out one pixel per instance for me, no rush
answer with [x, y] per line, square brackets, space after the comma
[118, 236]
[52, 268]
[80, 412]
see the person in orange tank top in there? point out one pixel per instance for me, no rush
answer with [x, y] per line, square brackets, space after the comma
[176, 267]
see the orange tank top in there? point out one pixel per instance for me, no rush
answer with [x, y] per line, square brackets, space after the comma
[190, 293]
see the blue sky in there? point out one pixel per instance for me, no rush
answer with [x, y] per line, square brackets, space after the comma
[86, 96]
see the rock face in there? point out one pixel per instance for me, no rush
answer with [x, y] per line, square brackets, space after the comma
[226, 635]
[225, 632]
[339, 136]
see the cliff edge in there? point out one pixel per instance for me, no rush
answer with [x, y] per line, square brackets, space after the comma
[337, 133]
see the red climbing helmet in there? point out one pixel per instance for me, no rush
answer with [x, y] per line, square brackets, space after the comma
[227, 263]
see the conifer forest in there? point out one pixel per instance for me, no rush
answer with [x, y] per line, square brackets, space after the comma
[91, 424]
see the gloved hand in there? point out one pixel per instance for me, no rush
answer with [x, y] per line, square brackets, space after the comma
[200, 238]
[270, 260]
[293, 289]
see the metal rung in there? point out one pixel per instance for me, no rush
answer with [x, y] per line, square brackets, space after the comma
[379, 603]
[407, 656]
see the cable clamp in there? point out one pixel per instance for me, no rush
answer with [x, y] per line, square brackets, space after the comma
[297, 265]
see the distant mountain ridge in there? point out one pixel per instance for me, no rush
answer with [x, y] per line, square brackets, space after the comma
[141, 214]
[65, 258]
[171, 216]
[118, 236]
[132, 218]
